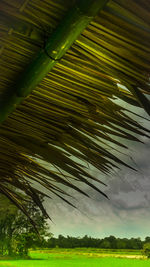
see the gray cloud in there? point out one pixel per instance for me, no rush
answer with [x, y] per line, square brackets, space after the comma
[127, 213]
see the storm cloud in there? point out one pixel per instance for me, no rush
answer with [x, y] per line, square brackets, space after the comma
[125, 214]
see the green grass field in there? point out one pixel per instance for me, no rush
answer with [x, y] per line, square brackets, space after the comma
[81, 258]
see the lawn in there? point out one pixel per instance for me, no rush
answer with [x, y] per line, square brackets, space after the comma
[80, 258]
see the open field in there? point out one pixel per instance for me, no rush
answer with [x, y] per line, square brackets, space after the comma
[80, 257]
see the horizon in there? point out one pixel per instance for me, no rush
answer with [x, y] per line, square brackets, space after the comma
[117, 237]
[127, 212]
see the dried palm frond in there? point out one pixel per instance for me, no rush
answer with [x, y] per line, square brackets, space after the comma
[71, 118]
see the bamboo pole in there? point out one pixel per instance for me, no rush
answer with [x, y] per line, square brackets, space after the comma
[75, 21]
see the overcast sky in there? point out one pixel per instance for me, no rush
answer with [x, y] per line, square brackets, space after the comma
[126, 214]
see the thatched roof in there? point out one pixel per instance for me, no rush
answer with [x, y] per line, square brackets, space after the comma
[70, 119]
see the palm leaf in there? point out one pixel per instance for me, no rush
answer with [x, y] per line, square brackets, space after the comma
[70, 119]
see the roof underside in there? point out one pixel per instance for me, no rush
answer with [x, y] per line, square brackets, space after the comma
[71, 118]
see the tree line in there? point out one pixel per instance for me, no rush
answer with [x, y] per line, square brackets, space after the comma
[110, 242]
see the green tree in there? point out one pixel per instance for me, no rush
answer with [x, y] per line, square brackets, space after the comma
[105, 244]
[147, 239]
[112, 241]
[16, 233]
[120, 244]
[146, 250]
[8, 212]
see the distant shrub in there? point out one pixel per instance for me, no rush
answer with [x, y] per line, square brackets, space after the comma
[146, 250]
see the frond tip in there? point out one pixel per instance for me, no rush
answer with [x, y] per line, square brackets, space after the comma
[70, 119]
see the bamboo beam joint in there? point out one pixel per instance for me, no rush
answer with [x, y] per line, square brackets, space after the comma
[74, 22]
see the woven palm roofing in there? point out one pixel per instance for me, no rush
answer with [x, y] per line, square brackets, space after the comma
[70, 119]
